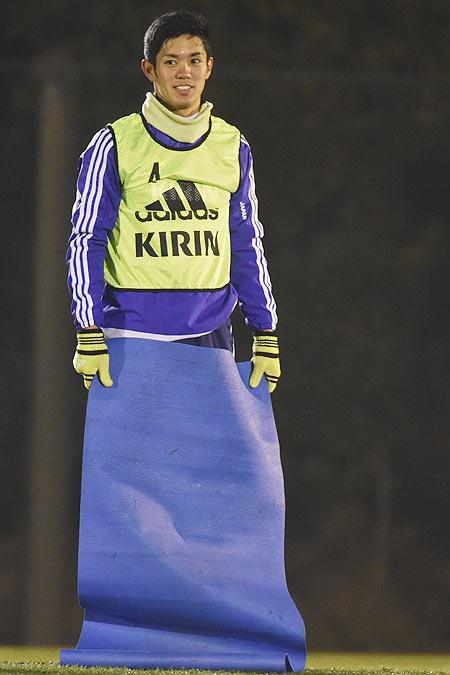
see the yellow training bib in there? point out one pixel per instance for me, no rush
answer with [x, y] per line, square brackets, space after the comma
[172, 230]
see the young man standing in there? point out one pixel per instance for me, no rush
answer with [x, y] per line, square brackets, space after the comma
[182, 510]
[166, 237]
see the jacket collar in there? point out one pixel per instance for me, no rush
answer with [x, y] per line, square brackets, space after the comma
[184, 129]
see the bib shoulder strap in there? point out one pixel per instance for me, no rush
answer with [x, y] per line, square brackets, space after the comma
[126, 125]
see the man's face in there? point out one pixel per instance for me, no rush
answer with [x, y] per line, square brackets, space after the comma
[182, 68]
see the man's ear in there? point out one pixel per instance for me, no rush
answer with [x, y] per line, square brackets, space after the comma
[210, 64]
[148, 69]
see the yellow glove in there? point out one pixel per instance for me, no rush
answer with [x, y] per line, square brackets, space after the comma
[266, 360]
[92, 357]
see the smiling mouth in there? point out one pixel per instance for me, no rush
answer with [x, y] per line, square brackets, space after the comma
[183, 87]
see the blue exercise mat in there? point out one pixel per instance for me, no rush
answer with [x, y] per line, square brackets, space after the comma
[181, 558]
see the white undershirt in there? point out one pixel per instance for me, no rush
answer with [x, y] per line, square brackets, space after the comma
[124, 333]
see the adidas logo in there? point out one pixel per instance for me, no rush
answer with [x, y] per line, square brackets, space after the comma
[175, 208]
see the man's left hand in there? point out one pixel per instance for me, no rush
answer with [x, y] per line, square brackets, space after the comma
[266, 360]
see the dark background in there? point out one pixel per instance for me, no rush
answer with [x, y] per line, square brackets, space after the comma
[346, 105]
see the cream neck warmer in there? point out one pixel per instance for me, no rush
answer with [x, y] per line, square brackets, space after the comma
[186, 130]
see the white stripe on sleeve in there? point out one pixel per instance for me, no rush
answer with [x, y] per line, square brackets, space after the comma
[83, 228]
[264, 278]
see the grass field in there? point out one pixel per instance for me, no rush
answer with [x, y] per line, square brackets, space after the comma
[17, 660]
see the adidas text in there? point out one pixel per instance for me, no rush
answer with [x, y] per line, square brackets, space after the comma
[200, 214]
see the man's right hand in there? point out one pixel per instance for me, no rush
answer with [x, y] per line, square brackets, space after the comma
[91, 357]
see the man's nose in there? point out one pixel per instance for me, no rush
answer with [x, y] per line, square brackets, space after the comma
[184, 69]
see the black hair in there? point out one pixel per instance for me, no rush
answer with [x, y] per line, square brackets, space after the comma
[172, 25]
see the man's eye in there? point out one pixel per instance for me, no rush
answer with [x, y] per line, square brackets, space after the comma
[169, 62]
[196, 60]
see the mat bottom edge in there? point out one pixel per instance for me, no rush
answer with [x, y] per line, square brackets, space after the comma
[280, 662]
